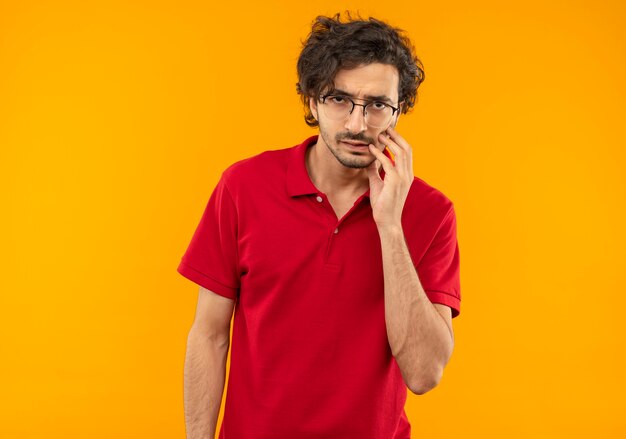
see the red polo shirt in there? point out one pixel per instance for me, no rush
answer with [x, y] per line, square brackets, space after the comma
[309, 352]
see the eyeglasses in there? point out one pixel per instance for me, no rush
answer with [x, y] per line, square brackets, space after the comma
[377, 114]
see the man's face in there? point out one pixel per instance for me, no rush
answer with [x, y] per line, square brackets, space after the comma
[361, 84]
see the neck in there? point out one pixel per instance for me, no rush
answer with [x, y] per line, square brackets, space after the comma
[330, 176]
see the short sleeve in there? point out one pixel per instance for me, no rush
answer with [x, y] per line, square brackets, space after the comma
[211, 259]
[439, 270]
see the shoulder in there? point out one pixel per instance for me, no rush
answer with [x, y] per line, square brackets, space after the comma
[258, 169]
[426, 208]
[425, 196]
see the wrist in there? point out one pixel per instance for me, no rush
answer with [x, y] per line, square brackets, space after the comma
[390, 229]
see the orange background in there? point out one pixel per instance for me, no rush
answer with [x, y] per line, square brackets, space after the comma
[117, 118]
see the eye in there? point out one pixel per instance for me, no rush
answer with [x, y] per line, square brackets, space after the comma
[337, 99]
[378, 105]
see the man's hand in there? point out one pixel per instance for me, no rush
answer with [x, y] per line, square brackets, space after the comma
[387, 197]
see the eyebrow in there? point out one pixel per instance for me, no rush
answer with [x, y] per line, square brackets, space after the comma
[383, 98]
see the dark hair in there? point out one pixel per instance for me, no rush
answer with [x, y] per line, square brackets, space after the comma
[333, 45]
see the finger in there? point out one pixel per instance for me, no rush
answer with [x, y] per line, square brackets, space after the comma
[382, 158]
[387, 141]
[406, 149]
[403, 162]
[372, 172]
[400, 141]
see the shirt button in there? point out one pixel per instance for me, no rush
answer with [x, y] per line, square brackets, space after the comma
[318, 198]
[336, 230]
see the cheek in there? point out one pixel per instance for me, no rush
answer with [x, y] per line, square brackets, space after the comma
[381, 131]
[377, 139]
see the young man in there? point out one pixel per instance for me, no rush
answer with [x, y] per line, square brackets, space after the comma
[343, 266]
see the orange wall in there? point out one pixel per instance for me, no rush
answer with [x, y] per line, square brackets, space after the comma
[117, 118]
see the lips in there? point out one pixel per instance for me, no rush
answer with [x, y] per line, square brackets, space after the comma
[354, 143]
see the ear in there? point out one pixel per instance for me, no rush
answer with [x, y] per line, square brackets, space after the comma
[313, 107]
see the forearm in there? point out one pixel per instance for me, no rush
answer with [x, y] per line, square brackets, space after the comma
[419, 337]
[204, 376]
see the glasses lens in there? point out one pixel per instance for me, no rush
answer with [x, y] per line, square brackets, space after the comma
[377, 115]
[337, 107]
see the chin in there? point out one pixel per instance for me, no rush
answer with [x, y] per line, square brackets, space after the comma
[355, 161]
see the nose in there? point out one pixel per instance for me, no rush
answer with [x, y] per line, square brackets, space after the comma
[355, 123]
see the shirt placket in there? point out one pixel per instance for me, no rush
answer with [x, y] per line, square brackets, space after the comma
[334, 227]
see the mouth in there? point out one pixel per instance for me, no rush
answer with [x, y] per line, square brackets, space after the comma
[353, 144]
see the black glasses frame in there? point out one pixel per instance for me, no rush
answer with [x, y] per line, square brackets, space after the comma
[354, 104]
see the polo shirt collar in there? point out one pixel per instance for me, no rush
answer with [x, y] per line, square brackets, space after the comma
[298, 180]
